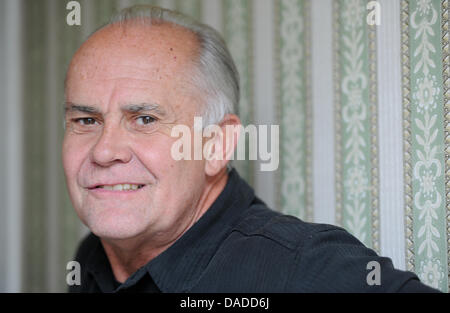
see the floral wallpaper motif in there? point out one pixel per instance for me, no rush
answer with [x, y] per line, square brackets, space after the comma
[237, 19]
[355, 119]
[291, 32]
[428, 185]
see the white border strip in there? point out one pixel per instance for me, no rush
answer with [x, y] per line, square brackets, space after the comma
[323, 111]
[390, 139]
[14, 145]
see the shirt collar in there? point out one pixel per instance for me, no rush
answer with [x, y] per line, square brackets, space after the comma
[180, 267]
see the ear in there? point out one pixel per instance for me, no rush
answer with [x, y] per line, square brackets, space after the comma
[219, 150]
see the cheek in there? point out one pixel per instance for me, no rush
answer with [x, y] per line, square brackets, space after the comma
[74, 152]
[154, 153]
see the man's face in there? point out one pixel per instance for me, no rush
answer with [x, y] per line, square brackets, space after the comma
[125, 90]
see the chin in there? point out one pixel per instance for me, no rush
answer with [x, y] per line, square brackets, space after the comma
[116, 226]
[116, 233]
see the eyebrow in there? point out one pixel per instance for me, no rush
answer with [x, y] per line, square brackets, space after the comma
[69, 106]
[144, 107]
[131, 108]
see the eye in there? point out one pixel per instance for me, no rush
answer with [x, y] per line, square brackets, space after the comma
[85, 121]
[145, 120]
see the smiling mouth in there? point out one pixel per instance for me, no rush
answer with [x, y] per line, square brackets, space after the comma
[119, 187]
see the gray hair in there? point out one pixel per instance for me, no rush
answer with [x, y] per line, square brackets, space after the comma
[215, 73]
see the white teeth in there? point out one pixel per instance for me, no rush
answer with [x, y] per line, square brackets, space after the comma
[118, 187]
[121, 187]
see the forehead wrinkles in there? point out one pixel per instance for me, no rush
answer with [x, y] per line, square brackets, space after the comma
[166, 47]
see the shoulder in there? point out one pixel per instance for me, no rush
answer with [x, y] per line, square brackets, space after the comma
[266, 246]
[290, 255]
[333, 260]
[286, 231]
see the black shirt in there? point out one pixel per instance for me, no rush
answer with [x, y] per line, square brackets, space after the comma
[240, 245]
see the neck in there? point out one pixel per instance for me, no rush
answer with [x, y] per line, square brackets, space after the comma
[126, 256]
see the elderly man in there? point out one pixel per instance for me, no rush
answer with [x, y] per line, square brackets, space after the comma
[165, 225]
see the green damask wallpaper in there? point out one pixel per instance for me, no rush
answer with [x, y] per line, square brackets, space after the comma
[424, 47]
[355, 117]
[237, 32]
[428, 230]
[292, 56]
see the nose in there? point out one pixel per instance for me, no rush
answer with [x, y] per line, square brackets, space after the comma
[111, 147]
